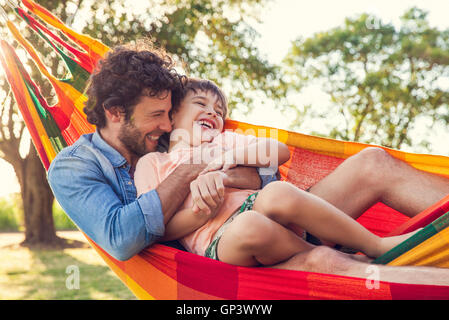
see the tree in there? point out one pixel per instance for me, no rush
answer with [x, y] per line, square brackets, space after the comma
[211, 37]
[379, 78]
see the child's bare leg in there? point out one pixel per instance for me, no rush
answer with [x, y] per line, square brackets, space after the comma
[253, 239]
[287, 204]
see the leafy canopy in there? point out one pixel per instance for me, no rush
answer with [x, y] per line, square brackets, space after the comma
[379, 77]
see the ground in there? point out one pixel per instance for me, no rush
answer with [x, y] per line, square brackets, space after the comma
[71, 273]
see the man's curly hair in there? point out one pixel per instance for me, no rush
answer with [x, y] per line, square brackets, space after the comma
[127, 73]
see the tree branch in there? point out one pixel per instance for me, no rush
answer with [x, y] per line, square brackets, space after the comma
[2, 110]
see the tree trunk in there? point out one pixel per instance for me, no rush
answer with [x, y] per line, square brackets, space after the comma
[37, 200]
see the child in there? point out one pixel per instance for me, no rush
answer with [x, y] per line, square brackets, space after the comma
[250, 227]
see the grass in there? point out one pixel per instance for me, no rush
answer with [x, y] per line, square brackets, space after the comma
[44, 274]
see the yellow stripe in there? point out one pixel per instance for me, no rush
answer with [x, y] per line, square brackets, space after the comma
[432, 252]
[138, 291]
[344, 149]
[12, 66]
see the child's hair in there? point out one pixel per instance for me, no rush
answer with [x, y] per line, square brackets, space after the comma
[195, 85]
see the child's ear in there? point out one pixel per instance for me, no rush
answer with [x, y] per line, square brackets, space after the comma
[113, 114]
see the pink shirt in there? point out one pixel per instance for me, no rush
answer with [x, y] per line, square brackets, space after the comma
[154, 167]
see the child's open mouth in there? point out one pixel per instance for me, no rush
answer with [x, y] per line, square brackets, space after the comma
[206, 124]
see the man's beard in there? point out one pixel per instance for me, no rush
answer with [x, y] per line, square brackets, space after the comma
[133, 139]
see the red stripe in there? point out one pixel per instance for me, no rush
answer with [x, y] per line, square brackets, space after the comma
[418, 292]
[207, 275]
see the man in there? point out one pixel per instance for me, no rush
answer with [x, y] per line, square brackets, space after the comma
[130, 98]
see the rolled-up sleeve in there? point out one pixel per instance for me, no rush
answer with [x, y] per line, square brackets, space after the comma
[151, 207]
[268, 175]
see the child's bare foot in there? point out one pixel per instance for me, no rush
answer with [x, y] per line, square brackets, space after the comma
[388, 243]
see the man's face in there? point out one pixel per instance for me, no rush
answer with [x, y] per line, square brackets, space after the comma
[148, 122]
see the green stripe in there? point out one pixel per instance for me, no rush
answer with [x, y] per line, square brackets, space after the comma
[429, 231]
[54, 133]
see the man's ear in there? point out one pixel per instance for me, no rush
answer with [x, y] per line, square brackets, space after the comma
[114, 114]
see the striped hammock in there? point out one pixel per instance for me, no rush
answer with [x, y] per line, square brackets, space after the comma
[162, 272]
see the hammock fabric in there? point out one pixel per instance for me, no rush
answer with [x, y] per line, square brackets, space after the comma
[162, 272]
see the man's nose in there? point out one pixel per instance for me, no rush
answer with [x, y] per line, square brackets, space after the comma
[166, 124]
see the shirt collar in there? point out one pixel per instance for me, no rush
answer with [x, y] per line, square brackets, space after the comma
[116, 159]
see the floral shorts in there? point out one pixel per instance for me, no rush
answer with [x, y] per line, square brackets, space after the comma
[211, 251]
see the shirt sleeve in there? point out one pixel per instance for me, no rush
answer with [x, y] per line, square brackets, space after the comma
[151, 207]
[91, 201]
[268, 175]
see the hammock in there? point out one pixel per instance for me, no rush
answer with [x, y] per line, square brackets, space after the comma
[163, 272]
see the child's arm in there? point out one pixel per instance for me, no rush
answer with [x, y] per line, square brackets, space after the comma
[183, 223]
[263, 152]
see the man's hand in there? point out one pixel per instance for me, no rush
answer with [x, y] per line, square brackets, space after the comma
[208, 192]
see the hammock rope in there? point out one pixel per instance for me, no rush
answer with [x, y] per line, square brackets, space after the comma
[161, 272]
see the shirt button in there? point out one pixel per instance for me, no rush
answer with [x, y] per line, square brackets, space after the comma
[130, 183]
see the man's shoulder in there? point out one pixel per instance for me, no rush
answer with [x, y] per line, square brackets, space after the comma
[82, 150]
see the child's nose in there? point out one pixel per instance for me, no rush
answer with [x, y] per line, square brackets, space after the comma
[212, 113]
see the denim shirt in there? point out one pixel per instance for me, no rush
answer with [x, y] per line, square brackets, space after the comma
[92, 183]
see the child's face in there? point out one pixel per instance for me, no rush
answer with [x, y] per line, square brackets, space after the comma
[199, 118]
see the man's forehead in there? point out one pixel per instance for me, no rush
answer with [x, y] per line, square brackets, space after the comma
[153, 103]
[147, 92]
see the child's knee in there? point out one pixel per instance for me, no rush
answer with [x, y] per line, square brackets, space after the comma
[253, 229]
[271, 196]
[279, 201]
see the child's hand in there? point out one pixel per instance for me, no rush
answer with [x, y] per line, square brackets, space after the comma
[208, 192]
[225, 162]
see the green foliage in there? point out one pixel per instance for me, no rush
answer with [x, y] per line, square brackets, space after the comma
[10, 215]
[209, 38]
[379, 78]
[61, 220]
